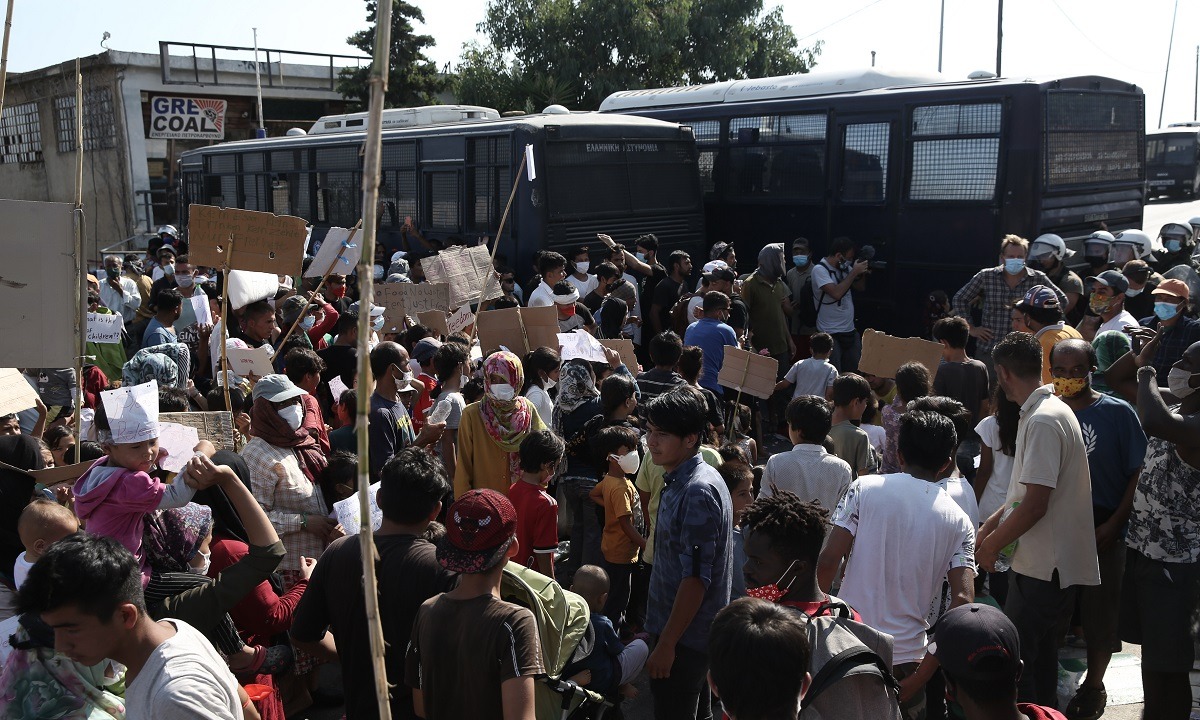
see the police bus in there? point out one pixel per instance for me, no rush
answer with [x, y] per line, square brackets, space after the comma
[1173, 161]
[620, 175]
[930, 173]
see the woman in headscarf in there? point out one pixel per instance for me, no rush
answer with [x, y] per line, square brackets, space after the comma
[1110, 345]
[491, 430]
[285, 463]
[169, 364]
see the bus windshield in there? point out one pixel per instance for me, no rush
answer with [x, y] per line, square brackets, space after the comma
[1171, 150]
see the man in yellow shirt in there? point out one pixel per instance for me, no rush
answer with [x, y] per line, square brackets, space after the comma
[1043, 315]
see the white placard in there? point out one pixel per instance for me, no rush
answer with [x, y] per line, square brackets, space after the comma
[347, 512]
[246, 287]
[460, 319]
[581, 344]
[200, 307]
[250, 361]
[327, 257]
[337, 387]
[132, 412]
[104, 329]
[180, 443]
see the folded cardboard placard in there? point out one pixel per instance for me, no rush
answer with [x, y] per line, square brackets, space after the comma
[749, 372]
[435, 320]
[54, 475]
[883, 354]
[468, 271]
[518, 329]
[16, 394]
[215, 427]
[262, 242]
[625, 347]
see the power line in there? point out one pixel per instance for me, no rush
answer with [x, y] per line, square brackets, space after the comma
[841, 19]
[1095, 44]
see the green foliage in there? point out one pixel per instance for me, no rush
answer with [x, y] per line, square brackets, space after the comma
[413, 79]
[577, 52]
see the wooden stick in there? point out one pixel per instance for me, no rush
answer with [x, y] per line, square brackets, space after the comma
[308, 301]
[225, 337]
[80, 228]
[496, 244]
[738, 400]
[370, 221]
[4, 56]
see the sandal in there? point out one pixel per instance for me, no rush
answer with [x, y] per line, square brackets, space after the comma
[1088, 703]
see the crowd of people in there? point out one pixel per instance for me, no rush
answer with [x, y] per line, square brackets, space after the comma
[920, 547]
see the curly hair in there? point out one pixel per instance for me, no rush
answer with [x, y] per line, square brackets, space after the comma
[796, 527]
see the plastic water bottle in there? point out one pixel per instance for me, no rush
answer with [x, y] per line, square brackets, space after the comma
[438, 413]
[1004, 559]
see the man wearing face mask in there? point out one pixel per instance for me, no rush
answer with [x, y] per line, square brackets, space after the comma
[1116, 447]
[1107, 301]
[389, 426]
[1000, 288]
[166, 263]
[798, 274]
[1139, 300]
[1049, 254]
[579, 262]
[119, 294]
[1176, 239]
[1177, 332]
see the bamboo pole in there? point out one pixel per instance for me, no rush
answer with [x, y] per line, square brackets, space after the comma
[225, 334]
[370, 221]
[80, 260]
[4, 55]
[496, 244]
[308, 301]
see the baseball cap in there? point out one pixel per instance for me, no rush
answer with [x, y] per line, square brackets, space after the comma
[1177, 289]
[977, 641]
[276, 388]
[376, 310]
[425, 349]
[166, 250]
[1112, 279]
[715, 265]
[722, 274]
[1040, 297]
[480, 528]
[1135, 267]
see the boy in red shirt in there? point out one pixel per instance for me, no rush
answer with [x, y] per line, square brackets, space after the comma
[537, 512]
[617, 446]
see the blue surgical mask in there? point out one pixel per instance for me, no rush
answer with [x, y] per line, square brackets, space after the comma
[307, 323]
[1013, 266]
[377, 324]
[1165, 310]
[799, 260]
[641, 257]
[1174, 245]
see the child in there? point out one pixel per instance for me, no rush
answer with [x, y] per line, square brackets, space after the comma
[621, 541]
[612, 665]
[870, 425]
[472, 392]
[42, 523]
[665, 350]
[814, 375]
[759, 658]
[346, 409]
[691, 364]
[850, 443]
[537, 512]
[739, 478]
[452, 365]
[741, 424]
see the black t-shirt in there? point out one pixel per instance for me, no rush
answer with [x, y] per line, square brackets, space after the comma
[738, 314]
[339, 360]
[592, 301]
[657, 274]
[665, 296]
[966, 382]
[408, 574]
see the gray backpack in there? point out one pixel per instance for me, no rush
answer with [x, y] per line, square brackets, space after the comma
[851, 669]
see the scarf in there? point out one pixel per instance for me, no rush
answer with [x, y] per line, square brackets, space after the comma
[172, 537]
[576, 385]
[275, 431]
[169, 364]
[506, 421]
[770, 262]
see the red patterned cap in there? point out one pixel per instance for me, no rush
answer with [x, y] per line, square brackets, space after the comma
[480, 527]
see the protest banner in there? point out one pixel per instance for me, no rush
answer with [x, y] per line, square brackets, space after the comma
[460, 320]
[518, 329]
[180, 443]
[423, 297]
[250, 361]
[38, 285]
[624, 346]
[215, 427]
[468, 271]
[435, 320]
[337, 240]
[388, 296]
[748, 372]
[581, 344]
[16, 394]
[264, 242]
[883, 354]
[105, 329]
[247, 287]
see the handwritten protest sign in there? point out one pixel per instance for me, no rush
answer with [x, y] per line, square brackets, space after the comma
[468, 271]
[39, 289]
[883, 354]
[624, 346]
[201, 309]
[749, 372]
[518, 329]
[250, 361]
[16, 394]
[327, 260]
[262, 242]
[389, 297]
[104, 329]
[179, 441]
[581, 344]
[460, 320]
[435, 320]
[215, 427]
[347, 511]
[423, 297]
[336, 387]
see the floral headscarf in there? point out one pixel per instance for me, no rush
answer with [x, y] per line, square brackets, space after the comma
[576, 385]
[507, 421]
[172, 537]
[169, 364]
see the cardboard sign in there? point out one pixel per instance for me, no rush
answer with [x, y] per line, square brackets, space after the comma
[16, 394]
[518, 329]
[423, 297]
[749, 372]
[628, 355]
[581, 344]
[389, 297]
[250, 361]
[468, 271]
[883, 354]
[262, 242]
[327, 260]
[180, 443]
[435, 320]
[54, 475]
[39, 290]
[460, 320]
[104, 329]
[215, 427]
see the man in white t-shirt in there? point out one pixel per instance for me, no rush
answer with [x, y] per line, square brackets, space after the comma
[1108, 301]
[832, 279]
[907, 535]
[1056, 552]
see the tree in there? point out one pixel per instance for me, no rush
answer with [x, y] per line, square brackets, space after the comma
[585, 50]
[413, 79]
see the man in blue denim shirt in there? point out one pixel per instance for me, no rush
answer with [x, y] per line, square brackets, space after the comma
[693, 560]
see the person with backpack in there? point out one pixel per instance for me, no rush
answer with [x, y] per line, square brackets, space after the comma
[833, 303]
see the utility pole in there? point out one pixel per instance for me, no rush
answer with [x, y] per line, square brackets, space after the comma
[999, 35]
[941, 34]
[872, 58]
[1167, 71]
[262, 128]
[1196, 92]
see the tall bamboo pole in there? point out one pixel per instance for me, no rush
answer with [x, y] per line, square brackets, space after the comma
[4, 55]
[80, 260]
[370, 220]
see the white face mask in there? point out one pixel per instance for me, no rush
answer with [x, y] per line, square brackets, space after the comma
[203, 569]
[582, 267]
[629, 462]
[293, 415]
[377, 324]
[549, 384]
[1132, 292]
[503, 392]
[463, 380]
[1178, 382]
[185, 281]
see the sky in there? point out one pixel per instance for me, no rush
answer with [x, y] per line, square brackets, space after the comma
[1042, 38]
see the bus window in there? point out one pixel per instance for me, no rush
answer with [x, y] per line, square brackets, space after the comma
[865, 162]
[708, 138]
[488, 171]
[955, 152]
[778, 155]
[442, 196]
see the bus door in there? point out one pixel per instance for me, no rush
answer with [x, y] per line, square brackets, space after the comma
[863, 206]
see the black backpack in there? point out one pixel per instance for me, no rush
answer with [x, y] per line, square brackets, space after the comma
[810, 307]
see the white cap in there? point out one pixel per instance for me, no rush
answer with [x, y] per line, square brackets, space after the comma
[714, 265]
[132, 412]
[376, 310]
